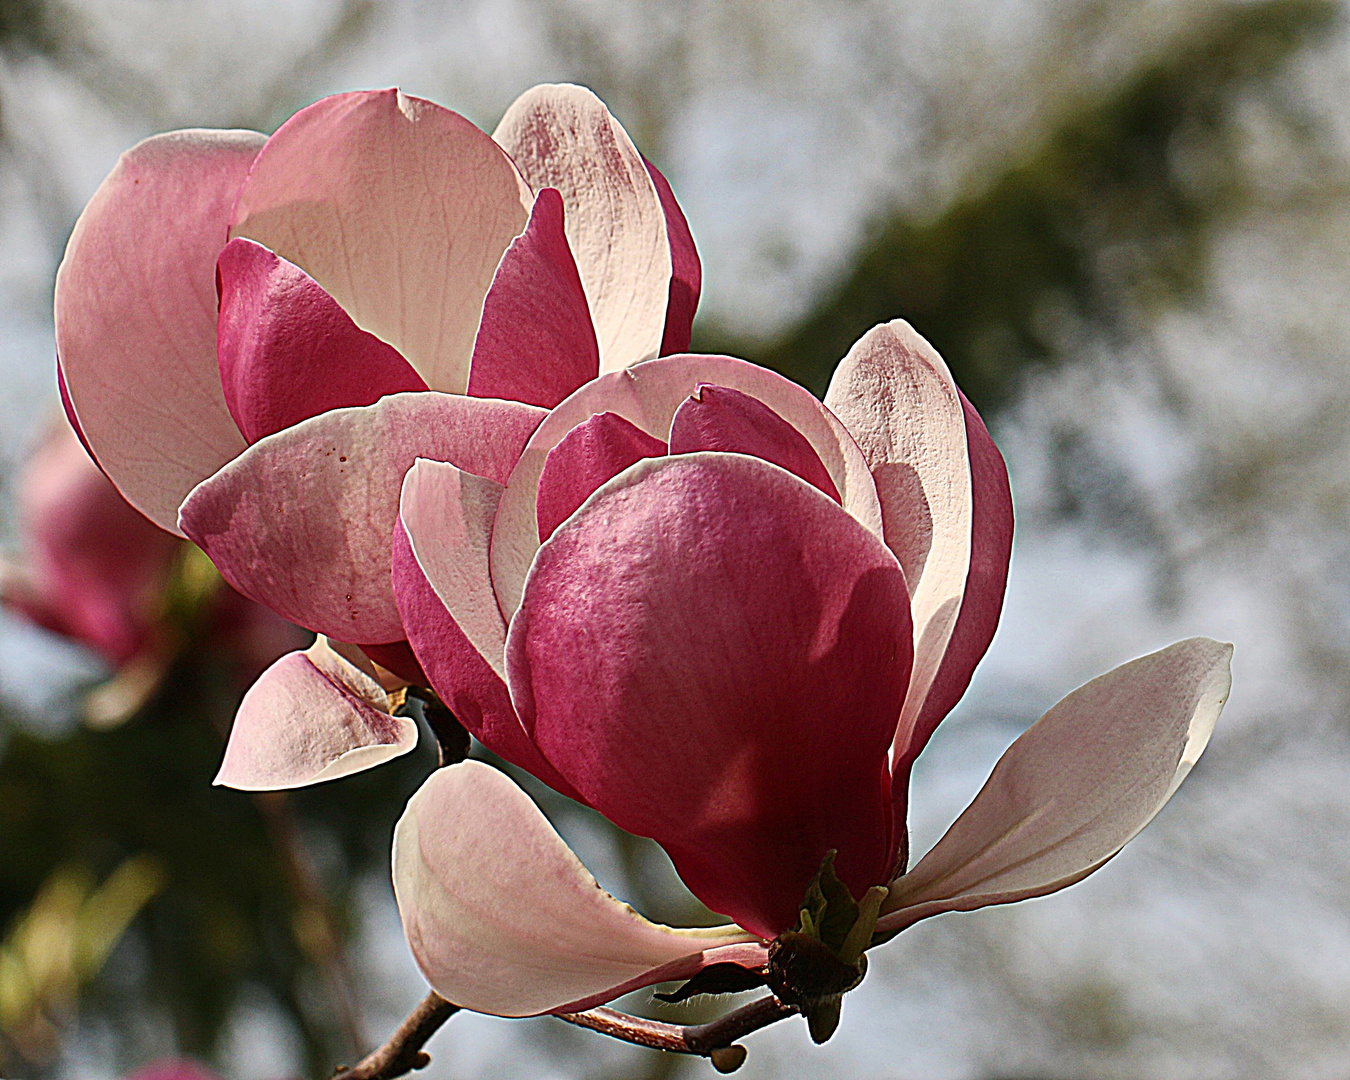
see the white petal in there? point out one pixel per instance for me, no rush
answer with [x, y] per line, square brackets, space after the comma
[563, 137]
[503, 918]
[1076, 787]
[448, 514]
[896, 397]
[313, 716]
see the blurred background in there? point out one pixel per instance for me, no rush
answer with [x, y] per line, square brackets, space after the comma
[1126, 225]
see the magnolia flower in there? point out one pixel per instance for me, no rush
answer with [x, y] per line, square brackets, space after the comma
[173, 1069]
[729, 617]
[92, 569]
[258, 336]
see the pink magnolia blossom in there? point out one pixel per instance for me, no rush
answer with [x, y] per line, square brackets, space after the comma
[94, 570]
[91, 569]
[174, 1069]
[729, 617]
[257, 337]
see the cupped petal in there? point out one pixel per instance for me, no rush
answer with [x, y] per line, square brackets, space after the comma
[287, 350]
[302, 521]
[563, 137]
[648, 395]
[590, 454]
[440, 579]
[719, 418]
[400, 209]
[991, 533]
[502, 918]
[713, 654]
[313, 716]
[897, 398]
[686, 272]
[1077, 786]
[535, 342]
[136, 316]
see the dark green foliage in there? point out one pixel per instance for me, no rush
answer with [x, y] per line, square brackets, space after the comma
[23, 24]
[227, 918]
[1119, 200]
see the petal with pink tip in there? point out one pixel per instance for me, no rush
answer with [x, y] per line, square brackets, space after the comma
[590, 454]
[713, 654]
[897, 398]
[1076, 787]
[686, 274]
[136, 316]
[303, 520]
[502, 918]
[400, 209]
[288, 351]
[535, 343]
[448, 610]
[563, 137]
[313, 716]
[648, 396]
[718, 418]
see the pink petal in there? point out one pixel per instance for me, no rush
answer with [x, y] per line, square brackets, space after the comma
[94, 569]
[563, 137]
[686, 276]
[303, 520]
[990, 549]
[717, 418]
[173, 1069]
[897, 398]
[287, 351]
[313, 716]
[713, 654]
[648, 395]
[400, 209]
[136, 316]
[448, 610]
[503, 918]
[589, 454]
[398, 659]
[1076, 787]
[69, 409]
[536, 343]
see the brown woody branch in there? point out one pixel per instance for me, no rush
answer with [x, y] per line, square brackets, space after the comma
[403, 1052]
[714, 1040]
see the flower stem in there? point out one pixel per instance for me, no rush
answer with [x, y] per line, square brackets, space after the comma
[703, 1040]
[403, 1052]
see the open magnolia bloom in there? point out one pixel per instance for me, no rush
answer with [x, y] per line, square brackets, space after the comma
[258, 336]
[728, 618]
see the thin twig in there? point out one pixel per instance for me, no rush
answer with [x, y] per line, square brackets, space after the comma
[700, 1039]
[403, 1052]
